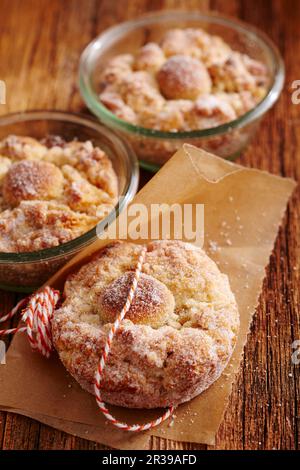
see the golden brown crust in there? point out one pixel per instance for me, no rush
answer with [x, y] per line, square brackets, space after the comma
[70, 187]
[152, 363]
[183, 77]
[149, 58]
[239, 73]
[209, 111]
[36, 225]
[22, 147]
[28, 179]
[151, 305]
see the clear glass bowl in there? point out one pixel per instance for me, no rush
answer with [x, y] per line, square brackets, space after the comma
[155, 147]
[26, 271]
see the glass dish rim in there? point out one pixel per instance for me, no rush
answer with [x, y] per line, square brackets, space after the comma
[128, 193]
[91, 97]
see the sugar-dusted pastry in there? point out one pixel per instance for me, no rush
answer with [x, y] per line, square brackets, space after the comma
[210, 111]
[176, 338]
[35, 225]
[51, 191]
[149, 58]
[22, 147]
[161, 85]
[183, 77]
[29, 179]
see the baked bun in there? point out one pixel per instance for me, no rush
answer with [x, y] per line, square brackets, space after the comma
[190, 41]
[183, 77]
[211, 111]
[29, 179]
[153, 303]
[176, 338]
[150, 58]
[18, 147]
[36, 225]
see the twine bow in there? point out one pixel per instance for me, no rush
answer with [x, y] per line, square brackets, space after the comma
[37, 315]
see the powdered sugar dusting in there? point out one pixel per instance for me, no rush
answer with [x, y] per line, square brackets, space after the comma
[41, 206]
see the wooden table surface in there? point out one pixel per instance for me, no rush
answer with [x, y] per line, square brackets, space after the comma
[40, 43]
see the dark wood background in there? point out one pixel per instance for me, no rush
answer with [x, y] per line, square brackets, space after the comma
[40, 44]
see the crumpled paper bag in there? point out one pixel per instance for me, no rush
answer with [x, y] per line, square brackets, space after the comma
[243, 210]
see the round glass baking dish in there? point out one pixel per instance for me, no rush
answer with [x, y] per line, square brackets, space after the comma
[26, 271]
[155, 147]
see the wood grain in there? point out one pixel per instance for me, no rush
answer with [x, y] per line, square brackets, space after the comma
[40, 43]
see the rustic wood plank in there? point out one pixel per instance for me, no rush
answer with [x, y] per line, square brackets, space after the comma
[262, 412]
[20, 433]
[39, 59]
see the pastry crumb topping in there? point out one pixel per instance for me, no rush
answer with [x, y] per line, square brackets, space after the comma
[51, 191]
[160, 86]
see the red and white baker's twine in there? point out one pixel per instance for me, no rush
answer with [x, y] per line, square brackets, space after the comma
[37, 316]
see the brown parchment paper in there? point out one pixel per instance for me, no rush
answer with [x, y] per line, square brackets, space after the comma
[243, 210]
